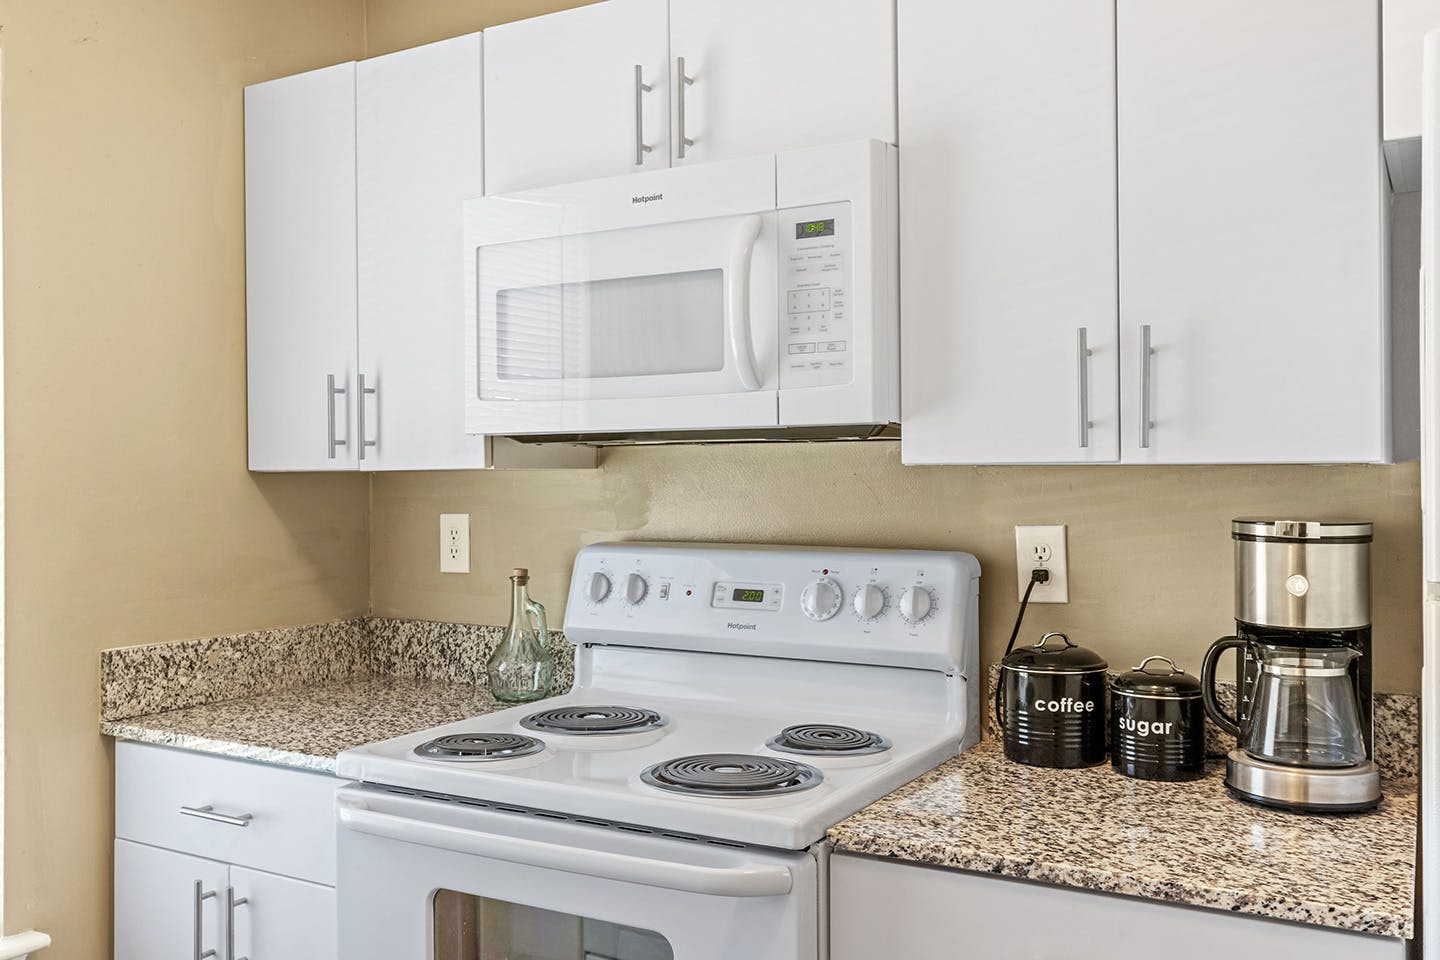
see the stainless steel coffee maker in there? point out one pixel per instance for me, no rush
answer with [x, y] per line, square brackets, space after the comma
[1303, 721]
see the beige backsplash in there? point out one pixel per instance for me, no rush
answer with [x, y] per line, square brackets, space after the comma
[1150, 550]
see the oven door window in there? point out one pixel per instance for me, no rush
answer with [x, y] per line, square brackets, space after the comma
[468, 927]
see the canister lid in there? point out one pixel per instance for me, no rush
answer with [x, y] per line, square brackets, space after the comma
[1046, 657]
[1303, 531]
[1158, 677]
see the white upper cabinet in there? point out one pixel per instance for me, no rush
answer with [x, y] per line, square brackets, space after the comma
[1251, 244]
[300, 269]
[769, 76]
[1007, 191]
[1405, 25]
[597, 91]
[566, 97]
[420, 157]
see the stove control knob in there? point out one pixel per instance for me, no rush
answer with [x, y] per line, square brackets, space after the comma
[869, 602]
[916, 604]
[821, 599]
[598, 588]
[634, 589]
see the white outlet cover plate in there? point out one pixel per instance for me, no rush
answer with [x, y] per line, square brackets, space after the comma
[1027, 540]
[454, 543]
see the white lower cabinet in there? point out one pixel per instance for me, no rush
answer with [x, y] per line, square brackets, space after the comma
[206, 855]
[167, 904]
[881, 908]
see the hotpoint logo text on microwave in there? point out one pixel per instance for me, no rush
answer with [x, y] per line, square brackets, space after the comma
[648, 198]
[740, 626]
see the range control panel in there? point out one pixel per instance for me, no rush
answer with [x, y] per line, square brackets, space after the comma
[815, 256]
[907, 607]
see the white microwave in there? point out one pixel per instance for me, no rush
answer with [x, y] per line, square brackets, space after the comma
[746, 297]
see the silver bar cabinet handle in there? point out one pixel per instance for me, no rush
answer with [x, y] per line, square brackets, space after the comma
[364, 391]
[682, 80]
[207, 812]
[641, 88]
[1083, 379]
[1145, 354]
[230, 923]
[201, 895]
[331, 391]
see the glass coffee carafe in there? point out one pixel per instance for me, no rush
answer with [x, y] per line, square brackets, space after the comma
[522, 668]
[1303, 711]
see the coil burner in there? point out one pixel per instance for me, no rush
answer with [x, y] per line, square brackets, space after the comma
[476, 747]
[731, 775]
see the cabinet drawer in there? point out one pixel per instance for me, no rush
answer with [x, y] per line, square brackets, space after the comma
[881, 908]
[290, 824]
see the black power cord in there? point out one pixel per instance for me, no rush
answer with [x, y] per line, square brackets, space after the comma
[1038, 575]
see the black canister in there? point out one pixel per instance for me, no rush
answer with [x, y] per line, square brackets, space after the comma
[1157, 723]
[1052, 705]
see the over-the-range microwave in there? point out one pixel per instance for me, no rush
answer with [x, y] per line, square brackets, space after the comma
[744, 298]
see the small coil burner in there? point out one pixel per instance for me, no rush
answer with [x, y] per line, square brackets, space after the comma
[827, 739]
[584, 720]
[731, 775]
[475, 747]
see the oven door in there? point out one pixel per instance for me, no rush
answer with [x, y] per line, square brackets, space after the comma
[433, 879]
[585, 319]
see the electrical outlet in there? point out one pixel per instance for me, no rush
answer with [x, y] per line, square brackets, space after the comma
[454, 543]
[1042, 546]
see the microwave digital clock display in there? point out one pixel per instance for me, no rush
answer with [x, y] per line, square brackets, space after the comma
[815, 228]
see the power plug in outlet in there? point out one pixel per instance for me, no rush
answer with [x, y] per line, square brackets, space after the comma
[454, 543]
[1042, 546]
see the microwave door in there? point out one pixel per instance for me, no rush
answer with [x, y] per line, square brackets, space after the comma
[671, 326]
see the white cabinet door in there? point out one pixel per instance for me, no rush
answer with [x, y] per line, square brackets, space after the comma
[1251, 243]
[300, 269]
[1007, 192]
[168, 906]
[1405, 25]
[420, 156]
[281, 918]
[887, 909]
[774, 76]
[564, 100]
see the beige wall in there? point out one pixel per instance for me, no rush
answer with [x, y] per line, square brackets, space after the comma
[1150, 550]
[131, 517]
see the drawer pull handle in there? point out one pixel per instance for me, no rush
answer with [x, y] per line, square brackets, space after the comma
[207, 812]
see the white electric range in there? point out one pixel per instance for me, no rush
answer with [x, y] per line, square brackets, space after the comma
[731, 703]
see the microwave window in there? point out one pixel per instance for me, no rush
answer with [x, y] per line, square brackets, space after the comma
[671, 323]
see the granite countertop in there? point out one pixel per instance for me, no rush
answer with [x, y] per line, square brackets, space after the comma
[307, 726]
[1186, 843]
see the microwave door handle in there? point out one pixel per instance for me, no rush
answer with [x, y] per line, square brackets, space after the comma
[739, 301]
[758, 880]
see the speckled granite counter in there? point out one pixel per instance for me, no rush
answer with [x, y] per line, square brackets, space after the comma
[1186, 843]
[307, 726]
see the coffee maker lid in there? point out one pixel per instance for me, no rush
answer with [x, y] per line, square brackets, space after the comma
[1303, 531]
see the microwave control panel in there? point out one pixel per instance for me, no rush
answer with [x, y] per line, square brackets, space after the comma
[816, 346]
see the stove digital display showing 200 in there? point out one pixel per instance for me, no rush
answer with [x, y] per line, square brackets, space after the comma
[747, 595]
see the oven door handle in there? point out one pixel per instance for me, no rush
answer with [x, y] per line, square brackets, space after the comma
[747, 881]
[738, 320]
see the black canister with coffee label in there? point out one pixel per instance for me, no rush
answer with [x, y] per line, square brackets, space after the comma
[1157, 722]
[1052, 705]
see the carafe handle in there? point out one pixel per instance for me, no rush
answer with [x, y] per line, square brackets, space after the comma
[1207, 683]
[537, 614]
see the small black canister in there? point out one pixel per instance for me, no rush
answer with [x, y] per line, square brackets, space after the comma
[1157, 723]
[1052, 705]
